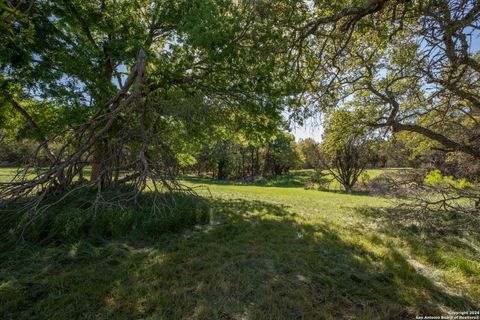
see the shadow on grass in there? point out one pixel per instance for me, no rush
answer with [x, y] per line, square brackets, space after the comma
[454, 248]
[254, 261]
[290, 180]
[352, 193]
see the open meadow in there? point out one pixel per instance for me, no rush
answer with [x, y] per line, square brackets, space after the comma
[271, 250]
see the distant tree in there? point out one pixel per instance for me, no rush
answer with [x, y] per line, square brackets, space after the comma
[346, 148]
[348, 162]
[237, 158]
[309, 150]
[280, 155]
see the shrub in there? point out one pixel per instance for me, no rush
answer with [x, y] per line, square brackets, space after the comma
[395, 184]
[319, 180]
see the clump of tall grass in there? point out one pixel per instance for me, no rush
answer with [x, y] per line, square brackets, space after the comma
[76, 218]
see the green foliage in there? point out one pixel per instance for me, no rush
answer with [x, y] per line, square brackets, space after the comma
[135, 89]
[346, 147]
[310, 153]
[341, 126]
[15, 153]
[233, 156]
[435, 179]
[281, 154]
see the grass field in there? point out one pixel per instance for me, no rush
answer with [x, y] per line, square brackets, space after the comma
[271, 251]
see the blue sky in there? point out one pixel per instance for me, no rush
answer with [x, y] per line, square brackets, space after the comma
[311, 128]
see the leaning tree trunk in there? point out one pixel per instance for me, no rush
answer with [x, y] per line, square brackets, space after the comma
[97, 161]
[100, 160]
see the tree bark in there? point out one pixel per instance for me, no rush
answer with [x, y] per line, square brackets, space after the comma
[97, 161]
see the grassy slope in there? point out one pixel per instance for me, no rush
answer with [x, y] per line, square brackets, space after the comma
[269, 253]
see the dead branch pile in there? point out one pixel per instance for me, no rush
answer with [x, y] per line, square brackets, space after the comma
[440, 207]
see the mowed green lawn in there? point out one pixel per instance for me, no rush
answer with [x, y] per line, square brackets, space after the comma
[271, 251]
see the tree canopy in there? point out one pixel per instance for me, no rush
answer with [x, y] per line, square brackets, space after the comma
[411, 65]
[125, 84]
